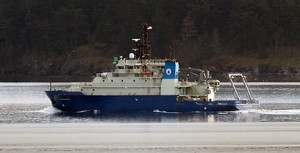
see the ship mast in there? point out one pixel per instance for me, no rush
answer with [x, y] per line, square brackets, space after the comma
[146, 42]
[144, 47]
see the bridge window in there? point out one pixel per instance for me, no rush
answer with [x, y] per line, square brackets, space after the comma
[120, 67]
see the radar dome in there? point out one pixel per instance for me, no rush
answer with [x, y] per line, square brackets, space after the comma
[131, 56]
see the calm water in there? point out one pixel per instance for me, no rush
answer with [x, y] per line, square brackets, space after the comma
[27, 103]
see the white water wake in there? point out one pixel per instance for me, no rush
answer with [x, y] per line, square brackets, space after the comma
[48, 110]
[159, 111]
[272, 112]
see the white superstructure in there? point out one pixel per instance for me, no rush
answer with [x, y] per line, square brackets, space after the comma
[140, 75]
[148, 77]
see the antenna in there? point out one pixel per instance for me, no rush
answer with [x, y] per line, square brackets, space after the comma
[50, 76]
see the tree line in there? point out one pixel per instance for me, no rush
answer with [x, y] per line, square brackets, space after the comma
[194, 29]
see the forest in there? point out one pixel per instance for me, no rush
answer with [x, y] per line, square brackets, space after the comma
[78, 37]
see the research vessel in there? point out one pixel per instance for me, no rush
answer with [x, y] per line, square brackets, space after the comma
[141, 83]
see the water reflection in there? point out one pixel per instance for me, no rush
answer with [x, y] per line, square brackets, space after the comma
[141, 117]
[43, 113]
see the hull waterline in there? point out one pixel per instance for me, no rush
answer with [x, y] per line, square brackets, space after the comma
[76, 101]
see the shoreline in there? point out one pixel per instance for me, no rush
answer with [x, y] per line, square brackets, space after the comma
[151, 137]
[207, 149]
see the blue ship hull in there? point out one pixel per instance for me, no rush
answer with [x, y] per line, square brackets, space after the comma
[76, 101]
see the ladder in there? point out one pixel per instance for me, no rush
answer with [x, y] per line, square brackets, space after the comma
[249, 93]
